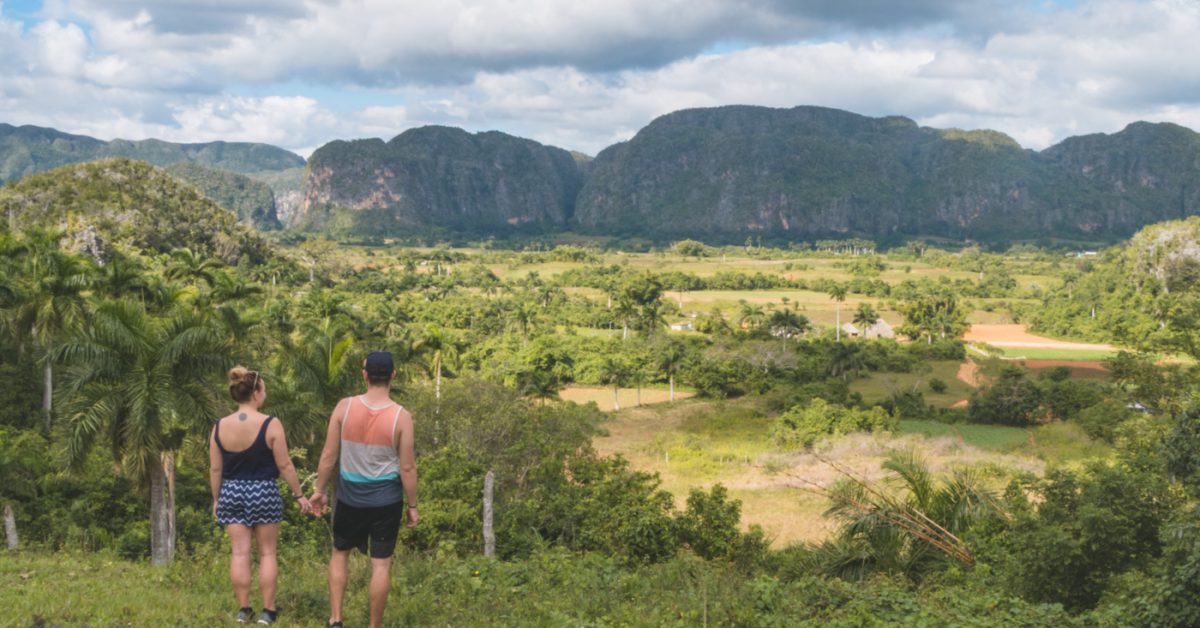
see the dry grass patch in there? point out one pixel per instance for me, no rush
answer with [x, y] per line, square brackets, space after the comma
[626, 397]
[698, 443]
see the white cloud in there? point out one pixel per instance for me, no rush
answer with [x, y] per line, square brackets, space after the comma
[585, 74]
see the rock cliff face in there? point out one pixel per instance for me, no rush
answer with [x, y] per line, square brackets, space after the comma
[26, 150]
[802, 173]
[439, 176]
[812, 171]
[1144, 174]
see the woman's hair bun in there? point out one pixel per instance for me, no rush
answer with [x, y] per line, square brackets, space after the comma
[238, 374]
[243, 382]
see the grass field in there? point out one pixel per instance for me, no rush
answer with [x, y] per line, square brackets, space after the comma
[697, 443]
[627, 397]
[879, 386]
[41, 589]
[1068, 355]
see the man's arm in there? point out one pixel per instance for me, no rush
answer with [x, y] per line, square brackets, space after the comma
[329, 456]
[408, 465]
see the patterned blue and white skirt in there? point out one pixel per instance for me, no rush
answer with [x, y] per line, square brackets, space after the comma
[249, 502]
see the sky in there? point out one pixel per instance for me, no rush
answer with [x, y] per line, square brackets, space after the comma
[584, 74]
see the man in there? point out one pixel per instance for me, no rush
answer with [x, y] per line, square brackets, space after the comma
[371, 437]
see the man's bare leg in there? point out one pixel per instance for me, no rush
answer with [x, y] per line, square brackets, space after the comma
[337, 583]
[380, 583]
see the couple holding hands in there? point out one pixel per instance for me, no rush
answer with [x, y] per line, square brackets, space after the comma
[370, 439]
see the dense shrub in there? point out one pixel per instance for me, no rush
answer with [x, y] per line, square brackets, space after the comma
[801, 426]
[1088, 528]
[1013, 399]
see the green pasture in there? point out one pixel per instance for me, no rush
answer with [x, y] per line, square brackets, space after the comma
[1068, 355]
[879, 386]
[1057, 442]
[507, 266]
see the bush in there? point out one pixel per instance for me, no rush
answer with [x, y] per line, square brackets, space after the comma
[1012, 400]
[1087, 529]
[709, 526]
[134, 542]
[1064, 398]
[907, 404]
[937, 385]
[1100, 421]
[801, 426]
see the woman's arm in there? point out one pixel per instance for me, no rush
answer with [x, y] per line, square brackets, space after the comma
[215, 467]
[277, 441]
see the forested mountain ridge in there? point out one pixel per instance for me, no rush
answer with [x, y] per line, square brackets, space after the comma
[715, 173]
[251, 200]
[440, 176]
[803, 172]
[129, 202]
[26, 150]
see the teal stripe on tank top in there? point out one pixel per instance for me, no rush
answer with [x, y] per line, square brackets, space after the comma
[358, 477]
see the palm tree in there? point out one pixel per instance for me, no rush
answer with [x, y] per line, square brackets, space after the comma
[613, 371]
[844, 358]
[838, 294]
[190, 266]
[906, 531]
[671, 354]
[524, 315]
[864, 317]
[320, 372]
[752, 316]
[48, 299]
[787, 323]
[439, 347]
[121, 276]
[625, 310]
[228, 287]
[389, 321]
[138, 382]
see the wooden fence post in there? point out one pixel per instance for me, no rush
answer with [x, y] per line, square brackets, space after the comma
[489, 535]
[10, 526]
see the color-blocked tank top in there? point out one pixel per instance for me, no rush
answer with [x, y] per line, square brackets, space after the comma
[370, 464]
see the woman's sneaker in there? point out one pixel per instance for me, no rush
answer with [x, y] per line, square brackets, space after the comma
[268, 617]
[245, 615]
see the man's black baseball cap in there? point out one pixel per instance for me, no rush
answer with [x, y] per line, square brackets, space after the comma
[379, 364]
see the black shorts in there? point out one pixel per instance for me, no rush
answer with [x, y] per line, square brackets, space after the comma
[354, 525]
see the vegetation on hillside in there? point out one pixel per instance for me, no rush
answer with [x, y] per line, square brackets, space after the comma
[114, 363]
[27, 150]
[121, 203]
[252, 201]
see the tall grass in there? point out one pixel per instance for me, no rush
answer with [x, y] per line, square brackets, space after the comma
[552, 588]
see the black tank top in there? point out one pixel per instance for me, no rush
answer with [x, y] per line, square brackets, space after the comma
[256, 462]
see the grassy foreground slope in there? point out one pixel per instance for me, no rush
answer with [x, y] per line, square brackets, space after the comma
[549, 589]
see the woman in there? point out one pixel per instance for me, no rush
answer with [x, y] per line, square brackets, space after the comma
[247, 452]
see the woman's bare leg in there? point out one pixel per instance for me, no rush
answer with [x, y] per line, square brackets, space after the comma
[267, 534]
